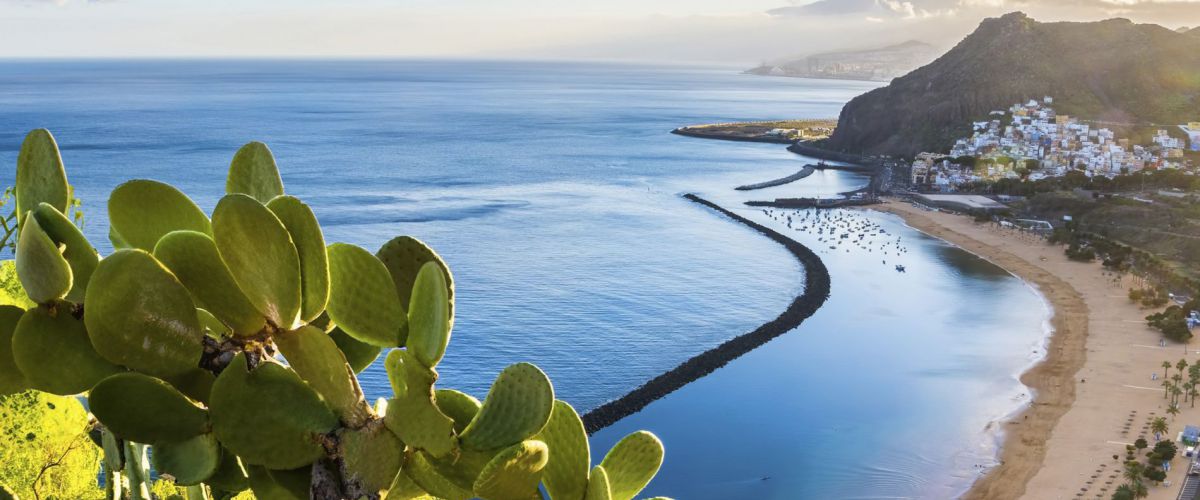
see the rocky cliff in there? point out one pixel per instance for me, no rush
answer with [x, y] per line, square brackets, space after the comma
[1111, 70]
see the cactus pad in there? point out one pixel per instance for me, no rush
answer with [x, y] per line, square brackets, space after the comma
[270, 484]
[11, 379]
[230, 474]
[253, 172]
[193, 257]
[412, 414]
[44, 273]
[212, 326]
[140, 316]
[373, 455]
[316, 358]
[144, 409]
[51, 349]
[190, 462]
[142, 211]
[514, 473]
[426, 476]
[461, 407]
[261, 256]
[40, 174]
[195, 383]
[598, 487]
[429, 316]
[632, 463]
[268, 415]
[302, 225]
[517, 407]
[404, 488]
[360, 355]
[566, 476]
[362, 300]
[79, 254]
[404, 256]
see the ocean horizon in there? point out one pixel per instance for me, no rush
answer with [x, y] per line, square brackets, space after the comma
[553, 190]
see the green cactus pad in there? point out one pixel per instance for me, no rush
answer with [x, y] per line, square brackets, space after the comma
[459, 406]
[230, 474]
[412, 414]
[566, 475]
[77, 251]
[11, 379]
[140, 316]
[514, 473]
[253, 172]
[52, 350]
[190, 462]
[362, 300]
[142, 211]
[40, 174]
[517, 407]
[43, 271]
[373, 456]
[632, 463]
[270, 484]
[429, 316]
[306, 234]
[404, 256]
[212, 326]
[404, 488]
[360, 355]
[598, 487]
[261, 256]
[195, 383]
[425, 474]
[316, 358]
[193, 257]
[145, 409]
[269, 416]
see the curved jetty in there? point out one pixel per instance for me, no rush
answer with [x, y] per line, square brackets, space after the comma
[804, 172]
[816, 291]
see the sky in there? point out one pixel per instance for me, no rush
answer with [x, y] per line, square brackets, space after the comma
[742, 32]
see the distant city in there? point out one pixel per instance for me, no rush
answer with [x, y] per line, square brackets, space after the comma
[1038, 143]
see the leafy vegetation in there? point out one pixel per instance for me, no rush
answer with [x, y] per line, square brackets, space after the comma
[176, 339]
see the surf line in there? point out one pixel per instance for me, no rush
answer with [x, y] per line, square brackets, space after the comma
[816, 291]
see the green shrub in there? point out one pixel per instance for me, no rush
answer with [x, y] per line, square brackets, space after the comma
[44, 447]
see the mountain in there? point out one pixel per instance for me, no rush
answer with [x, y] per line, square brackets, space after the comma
[1112, 70]
[881, 64]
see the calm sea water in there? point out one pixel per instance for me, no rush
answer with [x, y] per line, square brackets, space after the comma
[552, 191]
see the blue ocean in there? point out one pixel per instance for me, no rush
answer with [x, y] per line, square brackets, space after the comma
[553, 192]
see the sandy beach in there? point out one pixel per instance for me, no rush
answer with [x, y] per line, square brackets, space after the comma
[1093, 392]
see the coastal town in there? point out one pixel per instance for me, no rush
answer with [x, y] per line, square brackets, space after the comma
[1032, 141]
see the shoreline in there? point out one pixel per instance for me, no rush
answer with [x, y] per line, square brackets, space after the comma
[816, 292]
[1024, 433]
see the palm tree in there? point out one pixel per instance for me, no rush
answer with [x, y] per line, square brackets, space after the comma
[1173, 410]
[1124, 492]
[1193, 393]
[1139, 490]
[1133, 473]
[1166, 368]
[1181, 366]
[1175, 393]
[1167, 384]
[1158, 426]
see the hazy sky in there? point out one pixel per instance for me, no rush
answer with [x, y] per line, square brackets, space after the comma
[733, 31]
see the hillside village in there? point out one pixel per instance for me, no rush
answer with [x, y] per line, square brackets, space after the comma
[1037, 143]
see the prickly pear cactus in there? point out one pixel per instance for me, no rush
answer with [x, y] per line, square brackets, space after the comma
[221, 354]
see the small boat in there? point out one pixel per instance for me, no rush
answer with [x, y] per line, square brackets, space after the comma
[899, 268]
